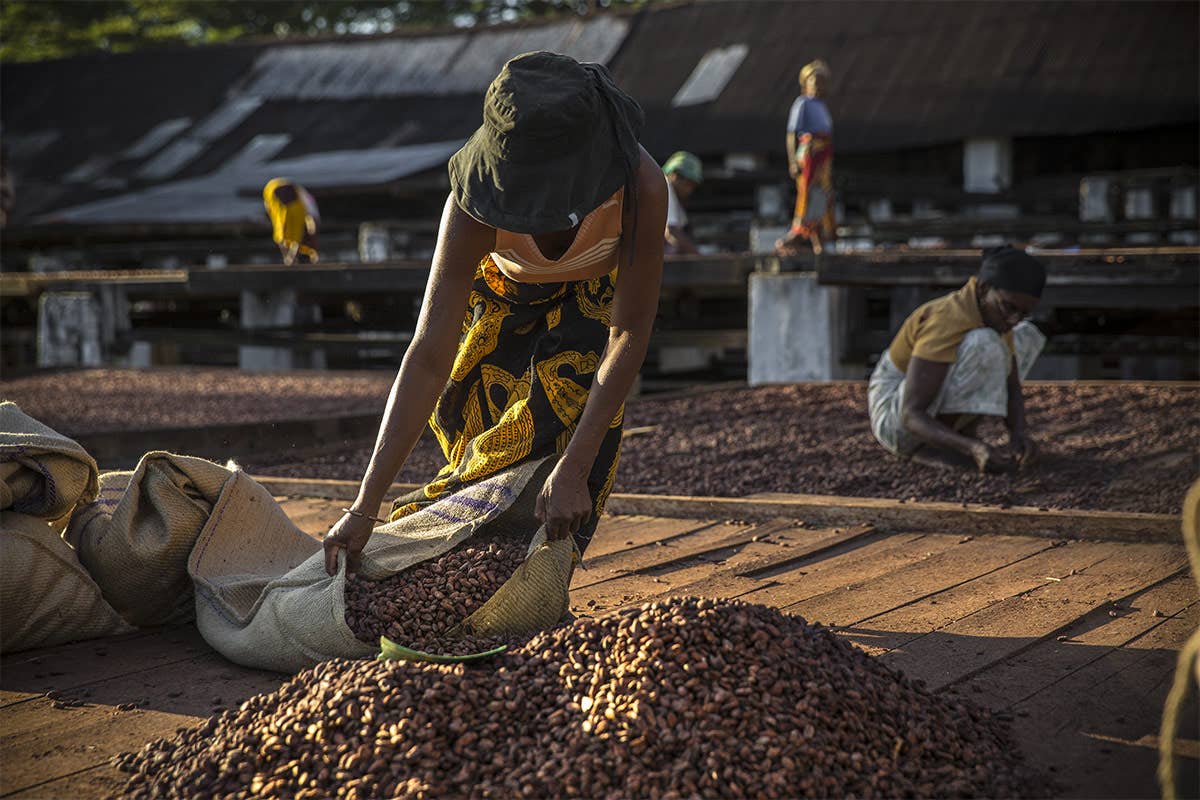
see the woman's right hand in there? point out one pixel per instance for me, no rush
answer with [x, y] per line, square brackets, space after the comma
[990, 459]
[350, 533]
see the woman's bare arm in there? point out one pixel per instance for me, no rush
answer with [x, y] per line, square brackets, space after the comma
[566, 505]
[462, 244]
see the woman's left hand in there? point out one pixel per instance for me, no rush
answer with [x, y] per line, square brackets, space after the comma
[564, 504]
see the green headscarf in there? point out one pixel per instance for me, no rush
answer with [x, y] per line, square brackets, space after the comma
[685, 165]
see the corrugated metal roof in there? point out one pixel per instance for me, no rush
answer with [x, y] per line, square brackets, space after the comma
[904, 75]
[462, 63]
[157, 137]
[369, 69]
[917, 73]
[219, 123]
[232, 194]
[171, 160]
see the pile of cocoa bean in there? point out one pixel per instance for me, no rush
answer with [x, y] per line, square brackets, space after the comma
[421, 606]
[678, 698]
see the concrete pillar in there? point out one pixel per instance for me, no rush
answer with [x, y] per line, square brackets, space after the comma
[275, 308]
[40, 262]
[797, 329]
[1139, 203]
[745, 162]
[141, 355]
[374, 243]
[763, 237]
[261, 358]
[770, 201]
[1183, 202]
[1095, 203]
[924, 209]
[987, 165]
[880, 209]
[266, 358]
[69, 330]
[114, 313]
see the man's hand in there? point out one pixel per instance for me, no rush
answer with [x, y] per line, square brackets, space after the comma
[564, 504]
[350, 533]
[1025, 449]
[990, 459]
[794, 169]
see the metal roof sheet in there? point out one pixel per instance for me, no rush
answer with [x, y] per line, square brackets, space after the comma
[904, 75]
[232, 194]
[157, 137]
[460, 63]
[916, 73]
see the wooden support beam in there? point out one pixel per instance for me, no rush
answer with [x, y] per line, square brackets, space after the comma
[389, 276]
[24, 284]
[894, 515]
[404, 275]
[963, 227]
[1177, 267]
[833, 511]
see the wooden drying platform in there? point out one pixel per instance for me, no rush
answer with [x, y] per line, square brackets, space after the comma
[1071, 631]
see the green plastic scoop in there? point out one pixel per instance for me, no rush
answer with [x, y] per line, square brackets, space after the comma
[390, 651]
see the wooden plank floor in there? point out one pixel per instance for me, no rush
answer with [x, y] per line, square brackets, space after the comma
[1076, 640]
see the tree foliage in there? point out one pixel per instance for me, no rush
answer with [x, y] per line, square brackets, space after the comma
[31, 30]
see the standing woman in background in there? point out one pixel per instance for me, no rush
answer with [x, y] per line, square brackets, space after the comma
[810, 162]
[528, 341]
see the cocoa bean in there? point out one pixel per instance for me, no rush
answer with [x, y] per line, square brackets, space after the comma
[596, 708]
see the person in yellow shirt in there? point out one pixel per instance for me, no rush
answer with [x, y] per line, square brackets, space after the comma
[294, 219]
[960, 357]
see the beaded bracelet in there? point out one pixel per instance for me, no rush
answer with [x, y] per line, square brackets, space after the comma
[365, 515]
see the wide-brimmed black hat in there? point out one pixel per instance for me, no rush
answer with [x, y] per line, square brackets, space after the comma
[558, 139]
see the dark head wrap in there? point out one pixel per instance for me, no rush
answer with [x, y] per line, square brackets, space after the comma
[1012, 270]
[558, 139]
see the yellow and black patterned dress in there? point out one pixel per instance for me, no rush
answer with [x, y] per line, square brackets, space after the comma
[524, 369]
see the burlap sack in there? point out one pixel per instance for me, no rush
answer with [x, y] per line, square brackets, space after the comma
[1186, 685]
[535, 598]
[42, 473]
[46, 597]
[263, 598]
[181, 536]
[135, 539]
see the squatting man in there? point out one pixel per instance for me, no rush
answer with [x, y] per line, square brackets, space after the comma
[957, 359]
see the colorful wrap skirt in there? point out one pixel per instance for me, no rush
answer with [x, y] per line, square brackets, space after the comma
[524, 370]
[814, 188]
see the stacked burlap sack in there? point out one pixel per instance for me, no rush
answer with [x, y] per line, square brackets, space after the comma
[181, 537]
[1185, 689]
[46, 596]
